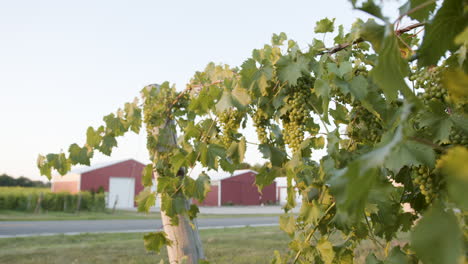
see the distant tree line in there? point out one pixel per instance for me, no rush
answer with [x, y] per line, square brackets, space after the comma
[6, 180]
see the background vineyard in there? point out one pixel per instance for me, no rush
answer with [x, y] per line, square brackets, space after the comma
[42, 200]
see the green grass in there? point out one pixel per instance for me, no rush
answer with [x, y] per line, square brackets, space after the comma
[10, 215]
[233, 246]
[240, 245]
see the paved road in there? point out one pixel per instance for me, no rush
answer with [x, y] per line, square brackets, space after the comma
[32, 228]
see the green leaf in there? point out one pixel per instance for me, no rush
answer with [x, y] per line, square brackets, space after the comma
[371, 8]
[372, 32]
[287, 223]
[290, 69]
[80, 155]
[423, 13]
[322, 89]
[325, 25]
[266, 176]
[147, 175]
[155, 241]
[372, 259]
[145, 200]
[178, 160]
[278, 40]
[197, 188]
[275, 155]
[44, 167]
[359, 87]
[93, 137]
[115, 124]
[454, 166]
[456, 83]
[437, 238]
[193, 212]
[410, 153]
[173, 206]
[397, 256]
[225, 103]
[241, 95]
[437, 121]
[391, 69]
[325, 248]
[448, 22]
[108, 142]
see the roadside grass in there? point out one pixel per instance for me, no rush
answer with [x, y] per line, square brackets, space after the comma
[11, 215]
[231, 245]
[236, 245]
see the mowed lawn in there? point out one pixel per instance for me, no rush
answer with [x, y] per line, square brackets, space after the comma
[235, 245]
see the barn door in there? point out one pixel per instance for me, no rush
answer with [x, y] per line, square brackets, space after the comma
[121, 192]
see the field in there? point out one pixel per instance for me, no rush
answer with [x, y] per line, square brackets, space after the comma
[245, 245]
[235, 246]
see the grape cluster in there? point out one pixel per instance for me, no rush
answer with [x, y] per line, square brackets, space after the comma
[336, 93]
[426, 179]
[429, 79]
[458, 137]
[364, 127]
[260, 119]
[295, 119]
[230, 122]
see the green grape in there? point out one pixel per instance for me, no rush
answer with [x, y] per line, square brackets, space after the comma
[458, 137]
[295, 119]
[429, 79]
[260, 119]
[364, 126]
[427, 181]
[230, 122]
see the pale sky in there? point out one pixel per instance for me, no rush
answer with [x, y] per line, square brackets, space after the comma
[66, 64]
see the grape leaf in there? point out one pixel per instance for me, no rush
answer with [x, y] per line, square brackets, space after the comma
[456, 83]
[454, 166]
[287, 223]
[441, 31]
[197, 188]
[437, 121]
[325, 248]
[275, 155]
[290, 69]
[371, 8]
[155, 241]
[437, 237]
[93, 137]
[410, 153]
[396, 256]
[391, 69]
[423, 13]
[80, 155]
[372, 32]
[358, 87]
[325, 25]
[147, 175]
[145, 200]
[108, 142]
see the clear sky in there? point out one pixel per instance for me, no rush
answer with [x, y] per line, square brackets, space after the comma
[66, 64]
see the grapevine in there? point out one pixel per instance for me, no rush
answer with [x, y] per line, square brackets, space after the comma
[384, 143]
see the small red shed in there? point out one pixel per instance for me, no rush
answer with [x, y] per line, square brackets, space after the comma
[120, 179]
[239, 189]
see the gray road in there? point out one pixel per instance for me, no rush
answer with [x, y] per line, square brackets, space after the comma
[32, 228]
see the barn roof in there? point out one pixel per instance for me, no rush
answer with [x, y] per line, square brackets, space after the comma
[96, 166]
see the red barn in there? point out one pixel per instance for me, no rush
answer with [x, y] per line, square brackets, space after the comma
[239, 189]
[120, 179]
